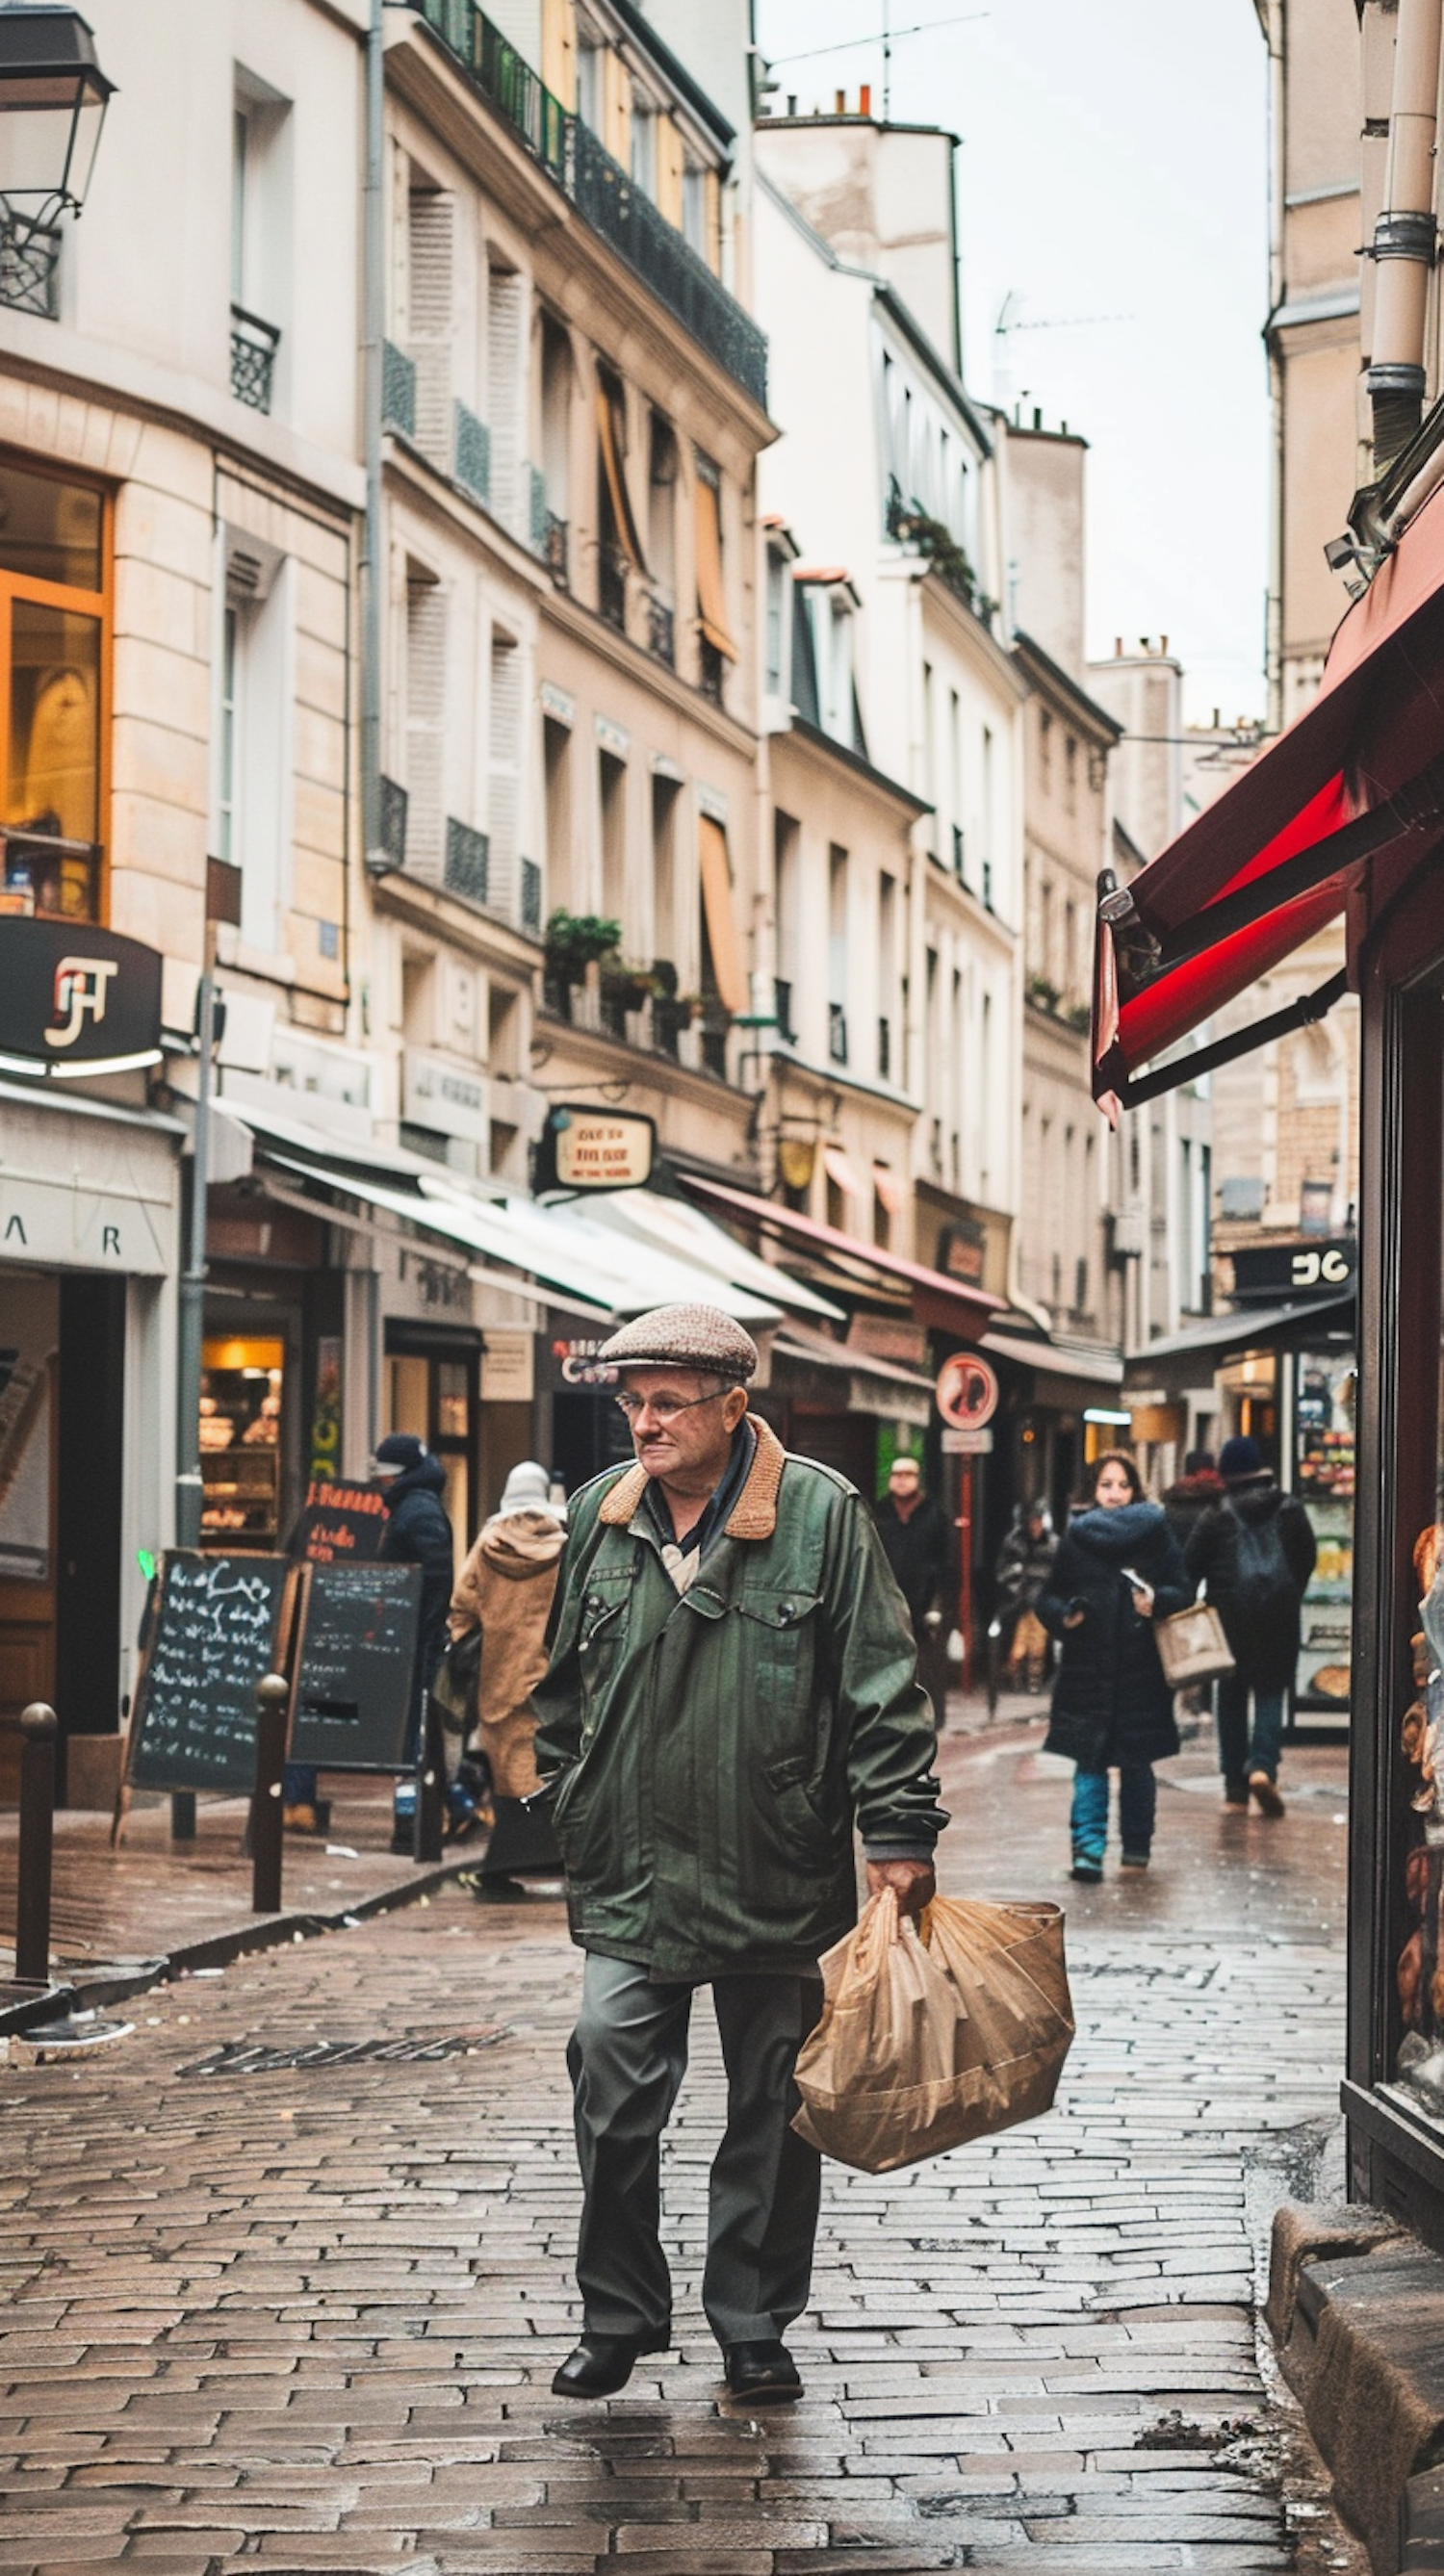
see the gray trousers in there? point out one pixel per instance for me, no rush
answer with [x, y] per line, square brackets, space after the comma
[627, 2057]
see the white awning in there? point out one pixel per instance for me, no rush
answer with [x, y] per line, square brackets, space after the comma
[674, 1227]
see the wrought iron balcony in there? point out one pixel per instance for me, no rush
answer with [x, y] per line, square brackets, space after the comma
[473, 453]
[468, 861]
[398, 389]
[253, 358]
[393, 822]
[602, 191]
[661, 630]
[612, 585]
[554, 549]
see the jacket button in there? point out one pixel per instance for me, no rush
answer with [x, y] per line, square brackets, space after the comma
[785, 1612]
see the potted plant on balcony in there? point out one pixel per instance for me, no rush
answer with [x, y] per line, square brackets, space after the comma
[572, 942]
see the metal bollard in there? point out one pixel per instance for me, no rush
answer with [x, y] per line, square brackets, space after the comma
[273, 1698]
[430, 1783]
[37, 1835]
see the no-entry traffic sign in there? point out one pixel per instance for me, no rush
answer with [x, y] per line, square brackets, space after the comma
[967, 1391]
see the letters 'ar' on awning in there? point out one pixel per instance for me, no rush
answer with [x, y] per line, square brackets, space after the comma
[1359, 772]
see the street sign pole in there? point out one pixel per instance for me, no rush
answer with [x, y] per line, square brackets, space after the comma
[965, 1570]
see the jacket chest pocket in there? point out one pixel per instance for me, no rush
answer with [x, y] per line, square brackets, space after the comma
[599, 1643]
[778, 1632]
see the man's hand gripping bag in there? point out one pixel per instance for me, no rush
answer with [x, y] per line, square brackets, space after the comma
[935, 2034]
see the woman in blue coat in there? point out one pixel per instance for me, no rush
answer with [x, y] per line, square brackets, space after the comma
[1118, 1568]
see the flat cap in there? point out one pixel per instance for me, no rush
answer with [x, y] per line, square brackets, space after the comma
[696, 1337]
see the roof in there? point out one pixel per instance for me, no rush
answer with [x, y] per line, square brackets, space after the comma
[1088, 711]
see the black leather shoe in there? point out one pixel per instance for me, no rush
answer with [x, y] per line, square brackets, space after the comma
[602, 2364]
[765, 2372]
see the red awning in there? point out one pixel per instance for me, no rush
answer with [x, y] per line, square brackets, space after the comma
[935, 1298]
[1273, 860]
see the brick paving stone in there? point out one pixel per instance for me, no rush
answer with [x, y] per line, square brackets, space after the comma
[310, 2320]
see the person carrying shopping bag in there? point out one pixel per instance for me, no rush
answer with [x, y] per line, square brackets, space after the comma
[1117, 1570]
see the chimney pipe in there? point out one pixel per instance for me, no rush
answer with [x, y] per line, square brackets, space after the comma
[1405, 235]
[840, 102]
[864, 100]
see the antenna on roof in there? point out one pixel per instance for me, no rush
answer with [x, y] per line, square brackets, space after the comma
[887, 36]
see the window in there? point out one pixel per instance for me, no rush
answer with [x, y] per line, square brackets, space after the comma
[613, 794]
[425, 704]
[714, 630]
[666, 796]
[260, 262]
[556, 440]
[786, 837]
[557, 762]
[662, 472]
[724, 982]
[53, 716]
[1070, 773]
[837, 959]
[503, 379]
[589, 84]
[619, 549]
[887, 1068]
[254, 694]
[694, 208]
[776, 636]
[644, 144]
[503, 772]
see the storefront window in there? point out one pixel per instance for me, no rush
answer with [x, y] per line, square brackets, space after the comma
[242, 1394]
[52, 637]
[1324, 1481]
[1419, 1974]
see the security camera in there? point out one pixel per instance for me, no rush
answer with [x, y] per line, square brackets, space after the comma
[1340, 552]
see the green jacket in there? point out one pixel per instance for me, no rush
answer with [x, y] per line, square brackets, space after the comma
[708, 1752]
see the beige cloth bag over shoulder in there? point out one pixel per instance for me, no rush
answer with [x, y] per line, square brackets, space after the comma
[935, 2034]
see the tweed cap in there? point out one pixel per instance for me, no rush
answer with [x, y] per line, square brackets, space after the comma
[695, 1337]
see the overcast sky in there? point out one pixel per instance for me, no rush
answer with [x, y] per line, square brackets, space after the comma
[1113, 165]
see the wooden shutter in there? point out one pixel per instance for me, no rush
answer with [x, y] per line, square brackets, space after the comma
[711, 593]
[720, 915]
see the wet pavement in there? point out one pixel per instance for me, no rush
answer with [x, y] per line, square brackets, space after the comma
[278, 2300]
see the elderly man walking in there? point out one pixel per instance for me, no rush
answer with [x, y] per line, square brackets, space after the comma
[732, 1687]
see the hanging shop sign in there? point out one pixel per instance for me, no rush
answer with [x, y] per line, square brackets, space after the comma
[967, 1391]
[1320, 1266]
[75, 999]
[585, 1148]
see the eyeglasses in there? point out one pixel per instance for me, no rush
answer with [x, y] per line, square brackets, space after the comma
[666, 1407]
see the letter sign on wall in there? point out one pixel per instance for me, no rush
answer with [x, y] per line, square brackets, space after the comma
[74, 998]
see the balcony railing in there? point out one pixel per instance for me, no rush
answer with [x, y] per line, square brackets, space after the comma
[253, 358]
[602, 191]
[468, 861]
[554, 549]
[393, 821]
[473, 454]
[612, 585]
[836, 1033]
[661, 630]
[398, 389]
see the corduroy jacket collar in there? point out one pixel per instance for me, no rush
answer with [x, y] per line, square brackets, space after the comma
[753, 1515]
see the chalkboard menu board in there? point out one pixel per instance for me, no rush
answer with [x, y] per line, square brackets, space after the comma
[214, 1634]
[353, 1690]
[339, 1523]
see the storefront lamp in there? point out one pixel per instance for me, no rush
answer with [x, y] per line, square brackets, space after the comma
[53, 98]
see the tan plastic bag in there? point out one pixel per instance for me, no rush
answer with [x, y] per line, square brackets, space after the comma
[931, 2036]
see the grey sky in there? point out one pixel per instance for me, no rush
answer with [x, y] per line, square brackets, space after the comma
[1114, 164]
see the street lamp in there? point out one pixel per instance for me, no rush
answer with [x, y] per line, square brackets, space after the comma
[53, 98]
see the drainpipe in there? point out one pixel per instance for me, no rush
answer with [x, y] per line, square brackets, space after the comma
[373, 291]
[1405, 235]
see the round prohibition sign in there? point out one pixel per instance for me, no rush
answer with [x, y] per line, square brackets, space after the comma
[967, 1391]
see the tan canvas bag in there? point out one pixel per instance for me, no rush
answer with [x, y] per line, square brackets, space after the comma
[1192, 1646]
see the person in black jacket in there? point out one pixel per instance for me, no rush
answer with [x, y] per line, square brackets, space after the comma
[1118, 1568]
[1254, 1552]
[418, 1532]
[914, 1533]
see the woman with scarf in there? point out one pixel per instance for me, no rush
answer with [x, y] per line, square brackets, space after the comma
[1117, 1570]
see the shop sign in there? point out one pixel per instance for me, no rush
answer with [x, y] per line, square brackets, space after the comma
[967, 1391]
[508, 1375]
[446, 1098]
[76, 999]
[569, 1363]
[87, 1193]
[963, 1251]
[585, 1148]
[889, 1337]
[1321, 1266]
[338, 1523]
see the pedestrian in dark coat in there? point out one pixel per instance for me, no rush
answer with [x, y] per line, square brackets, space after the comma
[418, 1532]
[1021, 1576]
[1118, 1568]
[914, 1533]
[1254, 1552]
[1197, 1490]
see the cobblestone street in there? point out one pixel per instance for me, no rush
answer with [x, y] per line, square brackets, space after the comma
[305, 2316]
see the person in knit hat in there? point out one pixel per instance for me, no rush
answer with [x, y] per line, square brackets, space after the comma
[1254, 1552]
[732, 1686]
